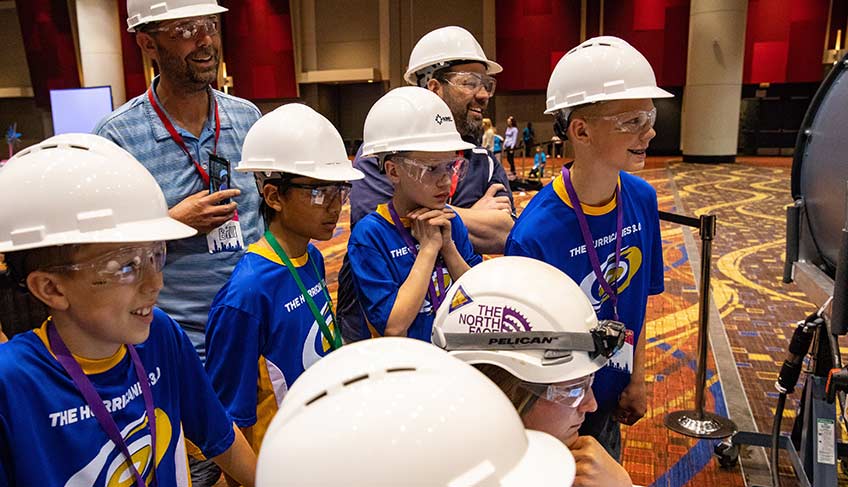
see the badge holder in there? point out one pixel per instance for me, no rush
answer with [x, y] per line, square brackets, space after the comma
[227, 237]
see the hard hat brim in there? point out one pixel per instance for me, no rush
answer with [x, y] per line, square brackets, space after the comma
[529, 368]
[182, 13]
[421, 146]
[141, 231]
[326, 172]
[491, 67]
[546, 463]
[630, 94]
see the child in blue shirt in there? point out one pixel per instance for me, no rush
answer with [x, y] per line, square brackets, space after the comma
[109, 389]
[539, 161]
[405, 255]
[274, 317]
[596, 222]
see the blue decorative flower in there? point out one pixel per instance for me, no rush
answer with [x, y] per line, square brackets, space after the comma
[12, 135]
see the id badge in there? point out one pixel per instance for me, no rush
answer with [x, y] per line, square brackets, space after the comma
[623, 359]
[226, 238]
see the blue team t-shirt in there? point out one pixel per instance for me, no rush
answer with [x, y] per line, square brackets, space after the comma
[381, 263]
[261, 334]
[548, 230]
[49, 437]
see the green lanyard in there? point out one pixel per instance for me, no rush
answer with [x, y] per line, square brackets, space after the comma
[334, 340]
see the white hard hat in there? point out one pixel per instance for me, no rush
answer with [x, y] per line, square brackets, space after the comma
[143, 11]
[601, 69]
[296, 139]
[397, 411]
[411, 119]
[78, 189]
[441, 48]
[513, 312]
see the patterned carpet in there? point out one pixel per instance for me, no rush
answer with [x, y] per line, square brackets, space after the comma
[758, 311]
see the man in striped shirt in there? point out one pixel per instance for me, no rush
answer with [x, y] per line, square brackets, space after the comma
[172, 129]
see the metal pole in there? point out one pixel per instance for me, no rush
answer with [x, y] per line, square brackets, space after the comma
[708, 225]
[698, 423]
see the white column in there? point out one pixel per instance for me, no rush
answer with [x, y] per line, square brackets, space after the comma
[101, 60]
[712, 96]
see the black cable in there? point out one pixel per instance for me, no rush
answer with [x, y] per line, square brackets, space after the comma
[775, 437]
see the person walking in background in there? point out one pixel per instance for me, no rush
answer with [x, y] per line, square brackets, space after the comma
[529, 138]
[510, 141]
[488, 135]
[497, 149]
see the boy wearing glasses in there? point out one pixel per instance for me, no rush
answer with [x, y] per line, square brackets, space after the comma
[598, 223]
[108, 389]
[449, 62]
[405, 254]
[274, 317]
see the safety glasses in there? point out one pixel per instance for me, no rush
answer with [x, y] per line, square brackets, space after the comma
[470, 82]
[122, 266]
[569, 394]
[431, 171]
[324, 195]
[635, 122]
[190, 28]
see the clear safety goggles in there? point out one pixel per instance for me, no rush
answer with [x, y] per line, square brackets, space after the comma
[569, 394]
[470, 82]
[122, 266]
[191, 28]
[635, 122]
[431, 171]
[324, 195]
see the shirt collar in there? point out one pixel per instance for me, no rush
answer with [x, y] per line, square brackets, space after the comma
[160, 133]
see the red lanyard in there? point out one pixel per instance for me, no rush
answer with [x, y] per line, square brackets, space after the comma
[95, 403]
[179, 138]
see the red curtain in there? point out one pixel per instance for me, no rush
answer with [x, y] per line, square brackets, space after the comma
[49, 45]
[530, 34]
[134, 81]
[259, 50]
[659, 29]
[784, 40]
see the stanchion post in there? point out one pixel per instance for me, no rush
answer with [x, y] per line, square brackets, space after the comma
[698, 423]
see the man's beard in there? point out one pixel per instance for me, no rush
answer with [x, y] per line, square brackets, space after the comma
[185, 73]
[470, 130]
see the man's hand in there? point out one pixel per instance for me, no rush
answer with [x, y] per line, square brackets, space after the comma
[491, 202]
[595, 467]
[633, 403]
[202, 212]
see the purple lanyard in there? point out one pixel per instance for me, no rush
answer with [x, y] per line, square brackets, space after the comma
[435, 299]
[611, 290]
[95, 403]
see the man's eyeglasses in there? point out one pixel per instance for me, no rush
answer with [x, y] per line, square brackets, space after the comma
[470, 82]
[569, 394]
[635, 122]
[122, 266]
[190, 28]
[430, 172]
[324, 195]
